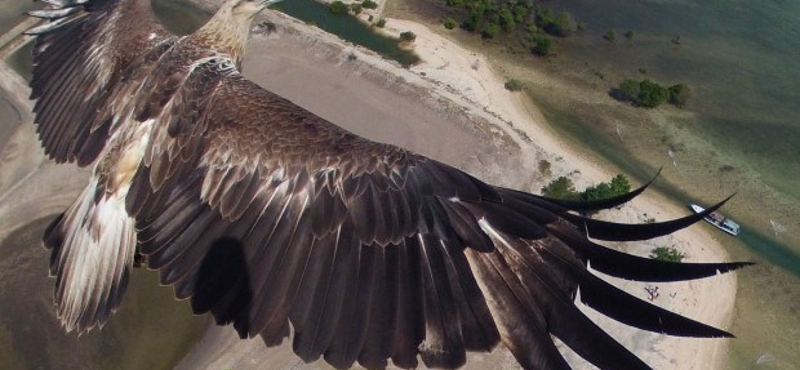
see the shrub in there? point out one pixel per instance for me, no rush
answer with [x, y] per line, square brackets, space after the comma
[490, 31]
[563, 188]
[651, 94]
[506, 19]
[514, 85]
[471, 23]
[597, 192]
[562, 25]
[647, 93]
[450, 23]
[628, 90]
[408, 36]
[667, 254]
[560, 188]
[381, 23]
[619, 185]
[543, 46]
[543, 17]
[679, 94]
[611, 35]
[337, 7]
[356, 8]
[629, 34]
[369, 4]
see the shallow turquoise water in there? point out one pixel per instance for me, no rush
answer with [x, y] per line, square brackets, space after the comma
[742, 61]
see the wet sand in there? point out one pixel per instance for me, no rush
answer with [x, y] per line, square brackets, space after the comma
[10, 118]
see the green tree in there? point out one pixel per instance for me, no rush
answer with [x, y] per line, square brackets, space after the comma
[651, 94]
[560, 188]
[561, 25]
[620, 185]
[542, 46]
[408, 36]
[337, 7]
[543, 17]
[521, 13]
[450, 23]
[471, 23]
[628, 90]
[514, 85]
[679, 94]
[369, 4]
[506, 19]
[667, 254]
[490, 31]
[611, 35]
[381, 23]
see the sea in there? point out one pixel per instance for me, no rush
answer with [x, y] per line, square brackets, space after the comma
[740, 132]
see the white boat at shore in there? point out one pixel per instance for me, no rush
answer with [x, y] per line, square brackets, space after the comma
[717, 219]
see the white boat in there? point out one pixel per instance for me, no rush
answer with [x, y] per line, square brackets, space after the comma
[717, 219]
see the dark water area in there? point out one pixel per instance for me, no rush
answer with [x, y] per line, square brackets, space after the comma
[151, 330]
[348, 28]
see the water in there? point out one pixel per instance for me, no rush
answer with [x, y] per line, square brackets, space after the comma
[348, 28]
[741, 60]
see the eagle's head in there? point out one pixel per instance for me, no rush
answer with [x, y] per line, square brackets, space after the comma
[248, 9]
[227, 31]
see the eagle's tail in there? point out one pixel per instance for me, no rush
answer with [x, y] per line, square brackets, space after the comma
[92, 248]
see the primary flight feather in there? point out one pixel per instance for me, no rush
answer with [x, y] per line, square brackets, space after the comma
[277, 221]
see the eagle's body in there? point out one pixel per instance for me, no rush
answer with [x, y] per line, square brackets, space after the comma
[270, 217]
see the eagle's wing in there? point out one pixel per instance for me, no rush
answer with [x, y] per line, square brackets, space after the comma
[81, 56]
[272, 218]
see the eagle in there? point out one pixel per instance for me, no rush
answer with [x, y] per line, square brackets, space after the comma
[285, 225]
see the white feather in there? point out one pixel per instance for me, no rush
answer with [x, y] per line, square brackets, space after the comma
[97, 253]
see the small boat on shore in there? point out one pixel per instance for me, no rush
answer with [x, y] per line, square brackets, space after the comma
[717, 219]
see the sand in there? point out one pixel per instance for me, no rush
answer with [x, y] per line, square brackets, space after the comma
[454, 108]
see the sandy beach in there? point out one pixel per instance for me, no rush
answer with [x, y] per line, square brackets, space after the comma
[452, 107]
